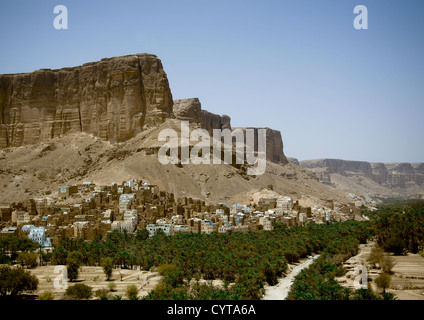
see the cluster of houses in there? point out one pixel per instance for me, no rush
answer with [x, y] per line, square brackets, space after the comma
[136, 205]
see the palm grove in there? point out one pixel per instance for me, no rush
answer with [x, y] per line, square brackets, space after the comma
[245, 262]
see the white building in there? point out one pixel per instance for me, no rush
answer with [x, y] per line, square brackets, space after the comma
[130, 183]
[129, 224]
[130, 220]
[177, 219]
[38, 234]
[266, 222]
[27, 227]
[125, 201]
[154, 228]
[285, 203]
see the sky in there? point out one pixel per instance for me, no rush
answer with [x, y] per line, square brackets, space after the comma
[298, 66]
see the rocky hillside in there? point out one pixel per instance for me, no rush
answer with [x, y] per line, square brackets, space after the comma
[38, 169]
[100, 122]
[384, 179]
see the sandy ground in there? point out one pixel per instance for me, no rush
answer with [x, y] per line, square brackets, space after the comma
[407, 278]
[281, 290]
[95, 278]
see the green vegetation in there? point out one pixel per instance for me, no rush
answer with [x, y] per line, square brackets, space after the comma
[107, 265]
[16, 280]
[317, 282]
[112, 286]
[379, 258]
[79, 291]
[131, 292]
[399, 226]
[102, 294]
[383, 281]
[45, 257]
[46, 295]
[11, 246]
[28, 259]
[73, 263]
[245, 262]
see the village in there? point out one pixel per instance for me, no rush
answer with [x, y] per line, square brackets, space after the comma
[138, 205]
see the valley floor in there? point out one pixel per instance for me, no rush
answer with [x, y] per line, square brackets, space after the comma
[407, 278]
[281, 290]
[95, 278]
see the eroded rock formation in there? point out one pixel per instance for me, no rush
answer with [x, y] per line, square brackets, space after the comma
[113, 99]
[399, 176]
[191, 110]
[274, 145]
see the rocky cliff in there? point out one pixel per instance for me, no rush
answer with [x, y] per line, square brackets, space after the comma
[274, 145]
[113, 99]
[388, 179]
[191, 110]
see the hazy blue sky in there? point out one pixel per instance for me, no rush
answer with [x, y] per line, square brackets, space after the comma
[297, 66]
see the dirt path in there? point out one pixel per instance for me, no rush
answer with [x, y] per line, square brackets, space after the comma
[281, 290]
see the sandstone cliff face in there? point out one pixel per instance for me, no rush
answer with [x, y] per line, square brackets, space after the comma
[344, 167]
[191, 110]
[113, 99]
[293, 160]
[405, 179]
[274, 145]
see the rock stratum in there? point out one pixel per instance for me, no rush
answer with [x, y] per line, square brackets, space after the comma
[114, 99]
[101, 121]
[372, 178]
[191, 110]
